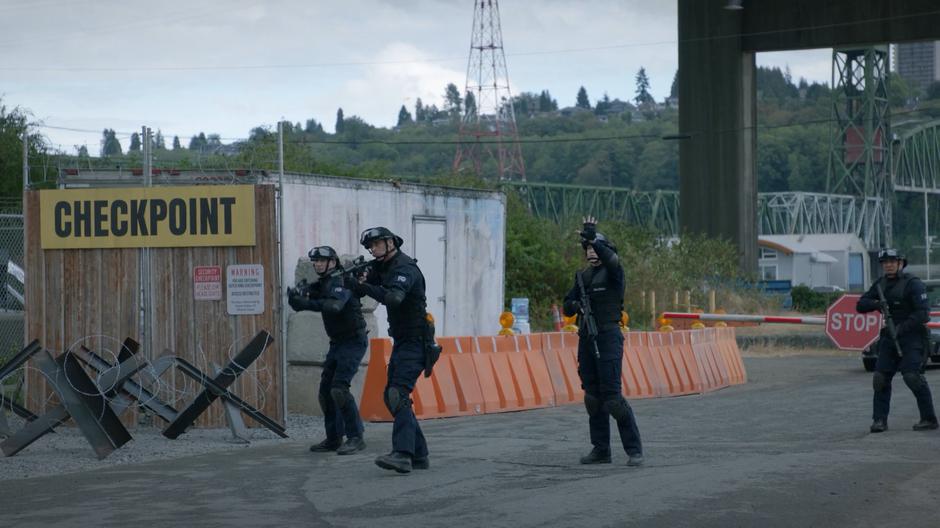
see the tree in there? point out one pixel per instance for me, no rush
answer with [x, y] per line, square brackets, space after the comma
[176, 143]
[603, 105]
[470, 104]
[404, 117]
[452, 100]
[158, 142]
[135, 143]
[81, 151]
[674, 89]
[546, 103]
[110, 146]
[313, 127]
[340, 124]
[13, 125]
[198, 143]
[643, 97]
[583, 101]
[420, 115]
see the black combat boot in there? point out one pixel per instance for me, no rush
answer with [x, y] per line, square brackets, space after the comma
[396, 460]
[878, 426]
[420, 463]
[926, 425]
[353, 444]
[596, 456]
[635, 460]
[326, 446]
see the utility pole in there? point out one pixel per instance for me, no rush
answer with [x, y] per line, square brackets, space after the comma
[146, 284]
[26, 159]
[279, 306]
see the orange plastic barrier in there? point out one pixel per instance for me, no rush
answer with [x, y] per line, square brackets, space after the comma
[639, 377]
[490, 374]
[560, 352]
[729, 349]
[371, 404]
[708, 356]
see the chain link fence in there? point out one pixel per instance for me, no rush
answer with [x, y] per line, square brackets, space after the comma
[12, 291]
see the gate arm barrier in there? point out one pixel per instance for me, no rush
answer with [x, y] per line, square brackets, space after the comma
[813, 320]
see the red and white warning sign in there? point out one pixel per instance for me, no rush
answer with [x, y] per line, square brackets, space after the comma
[207, 283]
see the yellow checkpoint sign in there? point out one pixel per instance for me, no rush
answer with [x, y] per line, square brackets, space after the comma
[126, 217]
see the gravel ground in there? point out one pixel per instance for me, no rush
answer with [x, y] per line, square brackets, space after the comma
[67, 451]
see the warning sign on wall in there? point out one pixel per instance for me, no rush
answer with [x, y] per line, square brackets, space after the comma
[207, 283]
[245, 289]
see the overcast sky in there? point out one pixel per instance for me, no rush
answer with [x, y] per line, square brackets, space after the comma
[227, 66]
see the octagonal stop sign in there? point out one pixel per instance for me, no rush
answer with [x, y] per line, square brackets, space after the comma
[847, 328]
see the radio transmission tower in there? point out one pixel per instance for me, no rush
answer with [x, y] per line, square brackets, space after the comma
[488, 136]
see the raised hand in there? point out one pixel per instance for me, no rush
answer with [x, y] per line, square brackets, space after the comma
[589, 229]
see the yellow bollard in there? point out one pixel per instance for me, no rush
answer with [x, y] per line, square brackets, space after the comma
[698, 325]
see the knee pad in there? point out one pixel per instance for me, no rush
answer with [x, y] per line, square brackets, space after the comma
[914, 380]
[396, 400]
[592, 404]
[341, 395]
[618, 408]
[879, 382]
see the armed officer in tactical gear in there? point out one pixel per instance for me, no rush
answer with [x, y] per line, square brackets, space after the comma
[395, 281]
[601, 286]
[909, 308]
[342, 318]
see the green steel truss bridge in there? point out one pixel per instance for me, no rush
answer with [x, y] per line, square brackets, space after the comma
[917, 157]
[915, 168]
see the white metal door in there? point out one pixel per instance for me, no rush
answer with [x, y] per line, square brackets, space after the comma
[430, 243]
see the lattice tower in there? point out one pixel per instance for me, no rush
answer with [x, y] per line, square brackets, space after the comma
[860, 151]
[489, 140]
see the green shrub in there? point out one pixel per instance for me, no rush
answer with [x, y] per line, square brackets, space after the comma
[808, 301]
[541, 259]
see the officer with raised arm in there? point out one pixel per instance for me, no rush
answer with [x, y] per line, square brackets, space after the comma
[597, 299]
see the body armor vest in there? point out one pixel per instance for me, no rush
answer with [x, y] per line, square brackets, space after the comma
[606, 301]
[900, 305]
[408, 319]
[349, 321]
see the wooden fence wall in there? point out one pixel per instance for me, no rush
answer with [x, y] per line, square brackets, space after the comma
[92, 297]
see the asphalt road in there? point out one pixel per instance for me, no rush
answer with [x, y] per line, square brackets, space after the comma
[790, 448]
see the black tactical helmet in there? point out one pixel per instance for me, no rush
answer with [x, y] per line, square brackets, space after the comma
[599, 237]
[322, 252]
[892, 254]
[378, 233]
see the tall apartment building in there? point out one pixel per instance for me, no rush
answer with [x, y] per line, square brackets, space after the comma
[918, 62]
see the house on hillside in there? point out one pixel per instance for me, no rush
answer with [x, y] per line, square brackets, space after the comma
[819, 261]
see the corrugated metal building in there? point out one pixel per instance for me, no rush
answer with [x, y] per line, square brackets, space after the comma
[816, 261]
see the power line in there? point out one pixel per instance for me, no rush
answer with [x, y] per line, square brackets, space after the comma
[527, 140]
[338, 64]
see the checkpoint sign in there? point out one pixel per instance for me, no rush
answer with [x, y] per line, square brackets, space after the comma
[848, 329]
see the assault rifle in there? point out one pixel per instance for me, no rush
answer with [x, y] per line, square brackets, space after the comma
[889, 322]
[356, 267]
[587, 316]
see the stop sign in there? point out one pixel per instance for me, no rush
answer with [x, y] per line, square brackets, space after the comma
[847, 328]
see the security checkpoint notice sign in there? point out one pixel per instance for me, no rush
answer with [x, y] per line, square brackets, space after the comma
[245, 289]
[207, 283]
